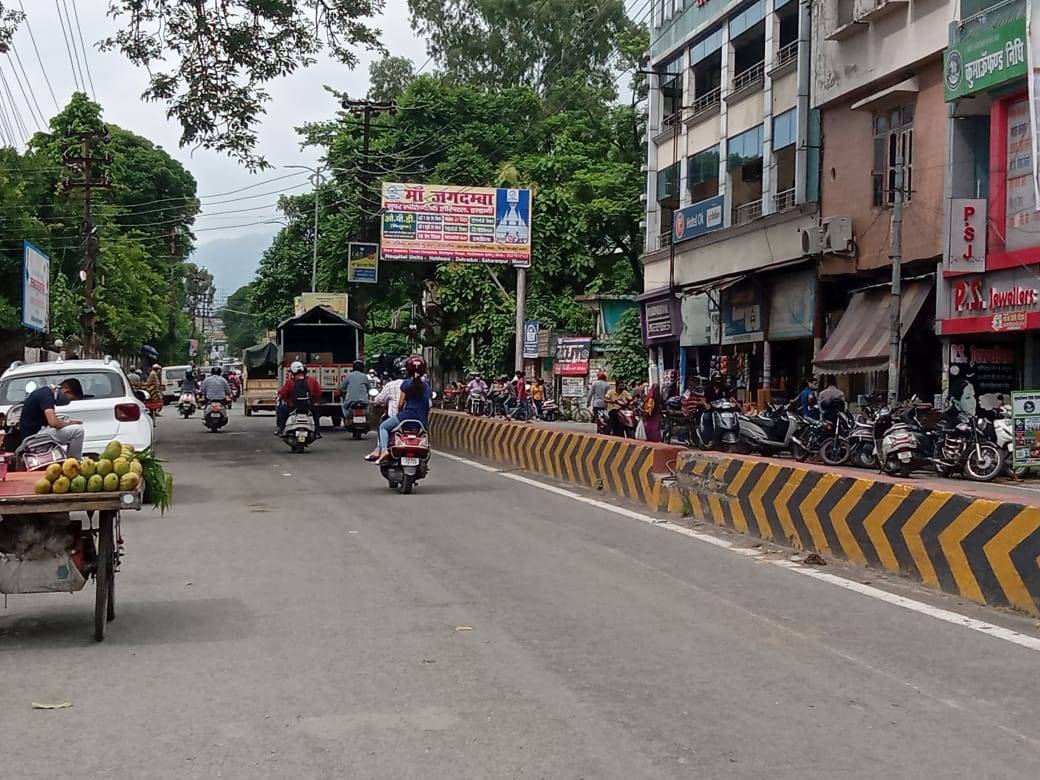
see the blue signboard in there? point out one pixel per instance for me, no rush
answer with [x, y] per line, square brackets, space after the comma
[531, 339]
[698, 219]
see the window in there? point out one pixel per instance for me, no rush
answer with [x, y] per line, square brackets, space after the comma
[747, 33]
[846, 12]
[670, 83]
[706, 63]
[709, 44]
[747, 19]
[702, 174]
[744, 148]
[668, 183]
[744, 163]
[785, 129]
[787, 44]
[893, 136]
[95, 384]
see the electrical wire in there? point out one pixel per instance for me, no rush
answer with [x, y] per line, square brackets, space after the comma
[21, 87]
[31, 93]
[16, 113]
[86, 62]
[68, 48]
[39, 59]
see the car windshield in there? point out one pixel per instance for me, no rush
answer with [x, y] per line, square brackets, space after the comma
[174, 374]
[96, 384]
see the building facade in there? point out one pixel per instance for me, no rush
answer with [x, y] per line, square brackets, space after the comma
[988, 302]
[732, 167]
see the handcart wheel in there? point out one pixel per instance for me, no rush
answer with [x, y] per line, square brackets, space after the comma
[104, 579]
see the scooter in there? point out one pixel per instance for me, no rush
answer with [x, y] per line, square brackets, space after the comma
[769, 432]
[409, 456]
[901, 443]
[724, 431]
[216, 416]
[627, 420]
[186, 405]
[33, 453]
[358, 419]
[299, 432]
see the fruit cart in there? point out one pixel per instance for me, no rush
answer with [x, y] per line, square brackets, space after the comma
[43, 551]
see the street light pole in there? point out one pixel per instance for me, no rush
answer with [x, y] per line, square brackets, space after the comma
[317, 178]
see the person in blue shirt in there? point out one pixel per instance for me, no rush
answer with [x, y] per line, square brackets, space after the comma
[807, 400]
[38, 413]
[413, 404]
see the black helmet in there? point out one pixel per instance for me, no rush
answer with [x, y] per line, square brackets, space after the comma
[359, 366]
[215, 370]
[716, 376]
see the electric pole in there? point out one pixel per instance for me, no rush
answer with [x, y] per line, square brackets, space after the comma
[895, 254]
[367, 109]
[84, 163]
[317, 178]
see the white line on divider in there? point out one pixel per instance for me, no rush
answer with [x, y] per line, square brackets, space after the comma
[981, 626]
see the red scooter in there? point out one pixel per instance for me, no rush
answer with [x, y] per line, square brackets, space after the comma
[409, 456]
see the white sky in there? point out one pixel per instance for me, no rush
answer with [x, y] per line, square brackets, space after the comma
[118, 86]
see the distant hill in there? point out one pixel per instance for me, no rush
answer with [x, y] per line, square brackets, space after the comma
[232, 261]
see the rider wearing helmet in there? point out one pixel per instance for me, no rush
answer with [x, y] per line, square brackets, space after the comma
[355, 387]
[298, 388]
[215, 387]
[413, 404]
[716, 389]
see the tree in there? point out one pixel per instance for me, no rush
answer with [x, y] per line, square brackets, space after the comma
[225, 53]
[626, 354]
[389, 77]
[241, 324]
[534, 43]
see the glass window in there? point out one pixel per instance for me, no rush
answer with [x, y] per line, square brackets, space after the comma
[747, 18]
[893, 137]
[670, 83]
[785, 129]
[96, 384]
[710, 44]
[744, 148]
[667, 181]
[702, 174]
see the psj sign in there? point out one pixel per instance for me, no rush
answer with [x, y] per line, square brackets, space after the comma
[967, 235]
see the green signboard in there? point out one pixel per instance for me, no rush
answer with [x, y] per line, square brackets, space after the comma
[987, 58]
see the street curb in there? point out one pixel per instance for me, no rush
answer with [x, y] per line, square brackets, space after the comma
[635, 470]
[982, 550]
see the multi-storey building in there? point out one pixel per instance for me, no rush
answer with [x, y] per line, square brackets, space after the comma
[733, 166]
[988, 299]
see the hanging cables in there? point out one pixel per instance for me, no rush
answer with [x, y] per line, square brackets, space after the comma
[23, 82]
[39, 59]
[68, 49]
[86, 62]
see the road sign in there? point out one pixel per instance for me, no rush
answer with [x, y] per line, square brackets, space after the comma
[36, 288]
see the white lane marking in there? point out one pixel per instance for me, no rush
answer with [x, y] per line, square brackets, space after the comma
[981, 626]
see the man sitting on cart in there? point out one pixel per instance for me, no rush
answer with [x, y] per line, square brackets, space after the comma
[38, 413]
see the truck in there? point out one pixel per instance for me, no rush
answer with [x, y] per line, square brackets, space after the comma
[260, 366]
[327, 343]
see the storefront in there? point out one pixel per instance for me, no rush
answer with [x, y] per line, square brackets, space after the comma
[662, 325]
[791, 323]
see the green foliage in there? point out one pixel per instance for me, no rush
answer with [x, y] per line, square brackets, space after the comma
[241, 329]
[626, 354]
[389, 77]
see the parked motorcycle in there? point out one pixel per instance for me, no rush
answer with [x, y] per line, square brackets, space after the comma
[965, 444]
[769, 432]
[550, 411]
[186, 405]
[837, 447]
[358, 419]
[862, 447]
[216, 416]
[33, 453]
[716, 426]
[810, 438]
[409, 456]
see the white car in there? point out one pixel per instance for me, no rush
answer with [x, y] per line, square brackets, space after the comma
[109, 409]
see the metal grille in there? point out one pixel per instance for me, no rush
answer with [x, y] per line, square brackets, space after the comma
[749, 76]
[747, 212]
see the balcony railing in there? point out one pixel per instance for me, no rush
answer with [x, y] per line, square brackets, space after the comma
[749, 77]
[707, 101]
[747, 212]
[664, 240]
[787, 54]
[784, 200]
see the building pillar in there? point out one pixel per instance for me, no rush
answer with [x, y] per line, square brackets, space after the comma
[768, 179]
[724, 78]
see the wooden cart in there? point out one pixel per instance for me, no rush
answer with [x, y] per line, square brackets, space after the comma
[17, 498]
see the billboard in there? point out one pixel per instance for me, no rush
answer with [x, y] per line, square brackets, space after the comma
[443, 223]
[572, 355]
[363, 263]
[36, 288]
[335, 301]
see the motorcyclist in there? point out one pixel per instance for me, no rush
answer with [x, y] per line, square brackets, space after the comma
[413, 402]
[215, 387]
[498, 395]
[476, 385]
[298, 386]
[616, 398]
[715, 391]
[355, 387]
[234, 382]
[189, 383]
[38, 413]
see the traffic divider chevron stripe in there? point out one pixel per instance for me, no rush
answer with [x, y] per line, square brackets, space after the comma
[983, 550]
[636, 470]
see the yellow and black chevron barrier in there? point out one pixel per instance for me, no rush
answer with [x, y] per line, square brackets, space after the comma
[625, 467]
[986, 551]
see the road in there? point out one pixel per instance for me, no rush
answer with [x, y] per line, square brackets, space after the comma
[291, 617]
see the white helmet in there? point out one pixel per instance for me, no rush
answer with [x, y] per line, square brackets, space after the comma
[296, 367]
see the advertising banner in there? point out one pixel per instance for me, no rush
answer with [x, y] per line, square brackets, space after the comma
[967, 235]
[980, 374]
[335, 301]
[363, 263]
[531, 339]
[1033, 35]
[443, 223]
[1025, 418]
[36, 287]
[993, 56]
[572, 355]
[572, 387]
[697, 219]
[742, 314]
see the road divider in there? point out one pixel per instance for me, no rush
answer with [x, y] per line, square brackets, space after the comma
[635, 470]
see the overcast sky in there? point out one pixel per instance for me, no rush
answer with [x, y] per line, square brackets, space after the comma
[118, 86]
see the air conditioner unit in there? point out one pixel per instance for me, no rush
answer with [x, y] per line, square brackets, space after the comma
[812, 241]
[837, 234]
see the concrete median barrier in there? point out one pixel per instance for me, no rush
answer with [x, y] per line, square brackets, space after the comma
[984, 550]
[635, 470]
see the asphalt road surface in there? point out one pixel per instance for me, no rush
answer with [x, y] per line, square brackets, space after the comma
[293, 618]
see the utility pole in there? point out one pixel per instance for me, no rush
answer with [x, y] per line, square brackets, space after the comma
[317, 178]
[895, 254]
[367, 109]
[521, 305]
[84, 163]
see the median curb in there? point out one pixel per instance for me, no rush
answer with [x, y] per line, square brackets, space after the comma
[631, 469]
[983, 550]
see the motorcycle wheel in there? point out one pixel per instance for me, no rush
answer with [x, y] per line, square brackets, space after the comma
[835, 451]
[407, 482]
[296, 447]
[798, 452]
[863, 457]
[985, 463]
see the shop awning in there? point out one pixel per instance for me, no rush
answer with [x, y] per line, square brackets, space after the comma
[860, 342]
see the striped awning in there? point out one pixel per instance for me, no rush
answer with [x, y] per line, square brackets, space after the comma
[860, 342]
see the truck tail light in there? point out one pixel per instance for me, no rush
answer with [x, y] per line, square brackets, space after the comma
[128, 412]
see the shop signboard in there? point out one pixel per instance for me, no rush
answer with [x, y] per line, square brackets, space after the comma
[980, 374]
[987, 56]
[36, 288]
[363, 263]
[742, 314]
[443, 223]
[995, 302]
[531, 338]
[572, 387]
[967, 235]
[1025, 420]
[697, 219]
[661, 319]
[572, 355]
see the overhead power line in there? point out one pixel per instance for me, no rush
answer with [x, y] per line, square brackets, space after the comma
[39, 59]
[68, 48]
[86, 61]
[28, 86]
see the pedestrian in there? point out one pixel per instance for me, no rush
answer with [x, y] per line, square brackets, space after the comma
[653, 409]
[155, 389]
[498, 396]
[538, 395]
[832, 399]
[807, 401]
[598, 390]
